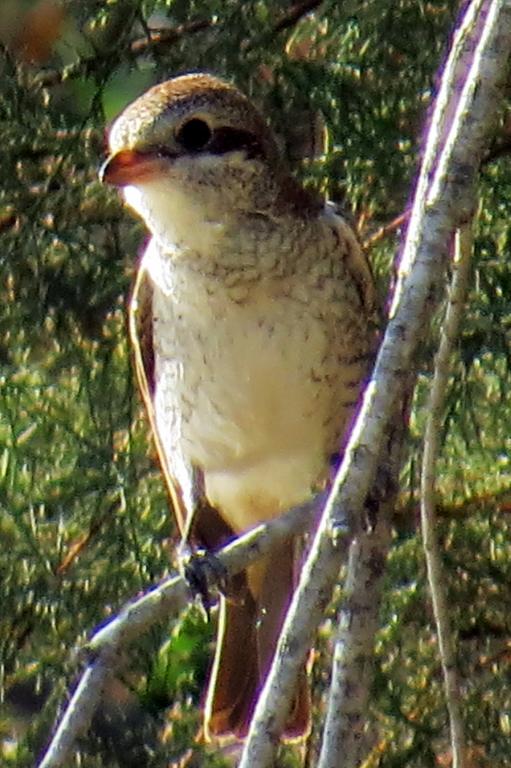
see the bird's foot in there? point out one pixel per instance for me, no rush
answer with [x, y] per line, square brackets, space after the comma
[206, 576]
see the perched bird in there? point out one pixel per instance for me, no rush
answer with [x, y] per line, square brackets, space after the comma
[252, 323]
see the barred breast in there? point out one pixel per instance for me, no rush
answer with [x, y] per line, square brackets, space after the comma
[256, 379]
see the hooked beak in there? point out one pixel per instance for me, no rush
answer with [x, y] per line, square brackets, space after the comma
[131, 167]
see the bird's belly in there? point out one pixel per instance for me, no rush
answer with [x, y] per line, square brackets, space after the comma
[244, 393]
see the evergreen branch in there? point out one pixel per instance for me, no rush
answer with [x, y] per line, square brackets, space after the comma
[453, 152]
[171, 596]
[436, 577]
[156, 39]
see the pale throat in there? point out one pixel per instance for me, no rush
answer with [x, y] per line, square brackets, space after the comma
[179, 221]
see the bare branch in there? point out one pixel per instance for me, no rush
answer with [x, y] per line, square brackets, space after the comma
[343, 735]
[387, 229]
[76, 547]
[450, 116]
[137, 617]
[437, 581]
[441, 201]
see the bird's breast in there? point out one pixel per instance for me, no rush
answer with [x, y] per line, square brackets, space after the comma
[246, 388]
[241, 377]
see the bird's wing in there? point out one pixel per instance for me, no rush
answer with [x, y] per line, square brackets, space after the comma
[141, 334]
[202, 523]
[357, 264]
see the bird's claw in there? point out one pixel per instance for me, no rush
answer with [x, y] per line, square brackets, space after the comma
[205, 573]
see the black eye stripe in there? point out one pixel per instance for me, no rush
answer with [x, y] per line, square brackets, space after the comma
[223, 140]
[229, 139]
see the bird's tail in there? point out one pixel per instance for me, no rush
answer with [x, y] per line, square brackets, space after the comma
[248, 632]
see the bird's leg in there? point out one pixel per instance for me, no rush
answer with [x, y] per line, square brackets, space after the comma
[203, 572]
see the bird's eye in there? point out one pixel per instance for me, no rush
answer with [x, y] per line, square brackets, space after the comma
[194, 134]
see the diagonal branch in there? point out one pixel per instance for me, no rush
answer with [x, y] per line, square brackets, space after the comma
[172, 595]
[387, 229]
[442, 199]
[343, 739]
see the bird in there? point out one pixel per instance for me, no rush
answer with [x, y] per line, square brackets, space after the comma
[252, 321]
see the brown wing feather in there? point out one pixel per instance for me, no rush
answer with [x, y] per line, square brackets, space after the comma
[141, 334]
[359, 267]
[208, 529]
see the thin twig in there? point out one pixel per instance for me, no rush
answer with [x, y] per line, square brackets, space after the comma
[387, 229]
[138, 47]
[76, 548]
[436, 577]
[438, 205]
[163, 38]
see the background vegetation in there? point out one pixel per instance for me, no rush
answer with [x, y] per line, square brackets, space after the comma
[83, 518]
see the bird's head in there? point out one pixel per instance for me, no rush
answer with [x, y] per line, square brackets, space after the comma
[192, 152]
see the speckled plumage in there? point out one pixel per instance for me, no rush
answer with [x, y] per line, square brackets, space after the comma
[253, 327]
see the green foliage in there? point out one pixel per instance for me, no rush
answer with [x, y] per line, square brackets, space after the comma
[83, 515]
